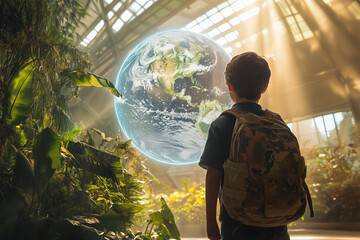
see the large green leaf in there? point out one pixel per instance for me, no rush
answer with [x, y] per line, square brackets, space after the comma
[88, 79]
[168, 220]
[96, 160]
[20, 96]
[46, 152]
[165, 218]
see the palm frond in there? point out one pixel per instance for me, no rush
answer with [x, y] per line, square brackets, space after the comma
[95, 160]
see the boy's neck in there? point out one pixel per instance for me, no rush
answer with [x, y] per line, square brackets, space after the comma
[241, 100]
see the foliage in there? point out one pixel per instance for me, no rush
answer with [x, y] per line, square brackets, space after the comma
[164, 223]
[333, 178]
[56, 180]
[187, 205]
[35, 49]
[77, 189]
[89, 79]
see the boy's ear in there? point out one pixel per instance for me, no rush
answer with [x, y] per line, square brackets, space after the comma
[265, 89]
[230, 86]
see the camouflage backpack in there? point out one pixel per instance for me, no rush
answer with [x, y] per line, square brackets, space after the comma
[264, 177]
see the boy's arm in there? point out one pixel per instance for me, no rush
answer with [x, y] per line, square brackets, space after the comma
[213, 180]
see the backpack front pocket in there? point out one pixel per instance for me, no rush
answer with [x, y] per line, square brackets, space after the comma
[235, 175]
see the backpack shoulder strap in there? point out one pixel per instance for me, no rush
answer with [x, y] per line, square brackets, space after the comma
[235, 111]
[271, 114]
[275, 117]
[240, 114]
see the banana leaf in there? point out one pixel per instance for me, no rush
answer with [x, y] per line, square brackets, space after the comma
[165, 218]
[20, 96]
[95, 160]
[88, 79]
[46, 152]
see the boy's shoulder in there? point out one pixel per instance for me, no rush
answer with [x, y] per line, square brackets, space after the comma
[224, 121]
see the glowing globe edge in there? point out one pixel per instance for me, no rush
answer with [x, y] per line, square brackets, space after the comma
[123, 130]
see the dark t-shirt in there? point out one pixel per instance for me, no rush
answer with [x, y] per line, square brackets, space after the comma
[217, 149]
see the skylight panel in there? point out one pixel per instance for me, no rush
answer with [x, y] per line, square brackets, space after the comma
[191, 24]
[86, 40]
[84, 44]
[109, 1]
[134, 7]
[221, 41]
[99, 26]
[139, 12]
[227, 11]
[307, 33]
[211, 12]
[294, 29]
[196, 28]
[249, 2]
[117, 25]
[284, 8]
[201, 18]
[237, 6]
[231, 36]
[224, 27]
[255, 11]
[91, 35]
[214, 33]
[206, 24]
[244, 16]
[142, 2]
[110, 14]
[222, 5]
[117, 6]
[232, 1]
[234, 21]
[148, 4]
[228, 49]
[126, 15]
[217, 17]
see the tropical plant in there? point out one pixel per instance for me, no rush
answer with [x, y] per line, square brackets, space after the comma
[65, 187]
[188, 203]
[39, 66]
[333, 177]
[56, 181]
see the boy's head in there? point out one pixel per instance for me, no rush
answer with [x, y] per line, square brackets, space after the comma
[249, 75]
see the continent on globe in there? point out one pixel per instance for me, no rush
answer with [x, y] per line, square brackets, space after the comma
[175, 64]
[208, 111]
[173, 87]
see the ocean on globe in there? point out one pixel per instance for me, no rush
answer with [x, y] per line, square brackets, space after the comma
[173, 87]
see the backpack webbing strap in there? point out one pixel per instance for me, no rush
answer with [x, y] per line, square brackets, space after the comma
[244, 115]
[308, 197]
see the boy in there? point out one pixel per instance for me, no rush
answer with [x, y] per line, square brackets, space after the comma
[247, 77]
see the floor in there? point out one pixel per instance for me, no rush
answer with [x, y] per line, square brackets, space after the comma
[312, 234]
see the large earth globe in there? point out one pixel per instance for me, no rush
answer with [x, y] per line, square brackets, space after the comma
[172, 87]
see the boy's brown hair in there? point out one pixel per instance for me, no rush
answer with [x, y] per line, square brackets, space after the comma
[249, 74]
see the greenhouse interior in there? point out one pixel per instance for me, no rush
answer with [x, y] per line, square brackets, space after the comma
[106, 107]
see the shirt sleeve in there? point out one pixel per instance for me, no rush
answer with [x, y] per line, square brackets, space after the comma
[213, 155]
